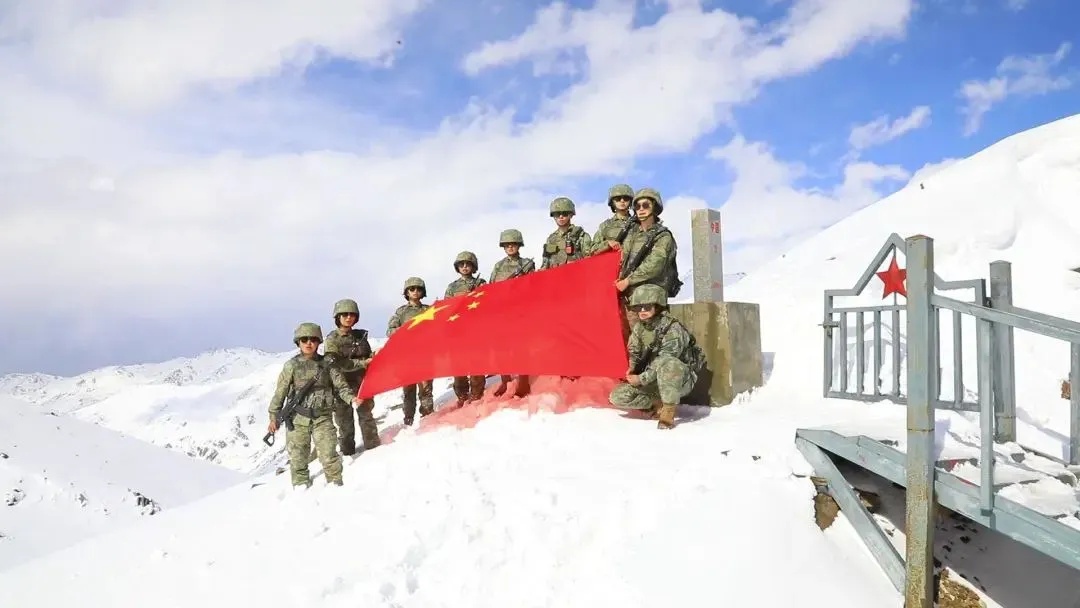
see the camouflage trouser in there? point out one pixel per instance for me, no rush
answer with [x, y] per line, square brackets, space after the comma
[346, 420]
[298, 443]
[427, 401]
[469, 387]
[674, 380]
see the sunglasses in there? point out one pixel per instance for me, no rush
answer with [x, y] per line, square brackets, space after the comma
[620, 199]
[307, 339]
[641, 307]
[643, 205]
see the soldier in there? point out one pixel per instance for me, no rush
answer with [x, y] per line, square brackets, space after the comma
[513, 265]
[619, 224]
[415, 290]
[466, 388]
[349, 351]
[664, 360]
[568, 242]
[648, 253]
[313, 420]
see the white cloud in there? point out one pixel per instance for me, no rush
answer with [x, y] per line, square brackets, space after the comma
[881, 130]
[110, 214]
[1016, 5]
[768, 211]
[1016, 75]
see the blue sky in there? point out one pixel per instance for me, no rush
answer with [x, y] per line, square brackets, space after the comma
[180, 181]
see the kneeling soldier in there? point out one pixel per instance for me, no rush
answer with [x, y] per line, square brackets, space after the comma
[664, 359]
[314, 420]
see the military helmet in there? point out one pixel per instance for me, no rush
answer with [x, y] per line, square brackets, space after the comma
[562, 205]
[414, 282]
[346, 306]
[654, 195]
[466, 256]
[619, 190]
[307, 330]
[649, 294]
[511, 235]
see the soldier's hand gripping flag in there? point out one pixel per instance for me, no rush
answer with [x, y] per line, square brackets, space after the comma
[566, 321]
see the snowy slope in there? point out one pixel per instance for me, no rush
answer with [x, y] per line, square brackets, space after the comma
[212, 406]
[1014, 201]
[579, 509]
[63, 480]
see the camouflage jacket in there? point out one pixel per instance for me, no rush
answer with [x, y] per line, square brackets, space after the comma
[461, 285]
[676, 342]
[555, 246]
[608, 231]
[659, 261]
[403, 314]
[322, 397]
[349, 353]
[510, 267]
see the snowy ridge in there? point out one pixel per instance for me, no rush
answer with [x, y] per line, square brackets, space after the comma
[63, 480]
[211, 406]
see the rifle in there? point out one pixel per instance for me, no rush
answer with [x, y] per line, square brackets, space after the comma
[650, 353]
[288, 411]
[633, 221]
[520, 270]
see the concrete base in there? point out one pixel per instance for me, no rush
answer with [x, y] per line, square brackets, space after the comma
[730, 335]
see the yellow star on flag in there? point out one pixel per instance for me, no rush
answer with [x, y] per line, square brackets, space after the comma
[427, 315]
[473, 305]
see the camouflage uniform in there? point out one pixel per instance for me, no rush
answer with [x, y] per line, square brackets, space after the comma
[313, 421]
[670, 369]
[611, 227]
[466, 387]
[658, 266]
[565, 244]
[508, 268]
[401, 315]
[350, 352]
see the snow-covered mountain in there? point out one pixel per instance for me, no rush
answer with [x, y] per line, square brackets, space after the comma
[538, 506]
[63, 480]
[211, 406]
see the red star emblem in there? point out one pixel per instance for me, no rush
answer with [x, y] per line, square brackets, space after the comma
[893, 278]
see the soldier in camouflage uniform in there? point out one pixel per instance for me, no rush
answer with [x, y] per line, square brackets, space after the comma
[664, 360]
[349, 351]
[415, 290]
[466, 388]
[657, 265]
[607, 235]
[569, 242]
[314, 415]
[513, 265]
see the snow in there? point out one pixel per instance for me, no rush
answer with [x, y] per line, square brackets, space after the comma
[63, 480]
[557, 501]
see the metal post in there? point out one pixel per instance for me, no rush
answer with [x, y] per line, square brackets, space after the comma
[921, 376]
[1074, 403]
[1004, 368]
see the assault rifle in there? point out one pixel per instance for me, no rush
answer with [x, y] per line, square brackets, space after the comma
[521, 269]
[651, 352]
[288, 411]
[627, 228]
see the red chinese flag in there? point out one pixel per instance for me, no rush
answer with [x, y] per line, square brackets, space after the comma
[566, 321]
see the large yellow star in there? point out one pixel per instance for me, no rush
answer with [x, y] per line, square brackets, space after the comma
[427, 315]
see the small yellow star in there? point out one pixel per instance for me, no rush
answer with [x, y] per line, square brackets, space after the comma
[452, 318]
[475, 294]
[427, 315]
[473, 305]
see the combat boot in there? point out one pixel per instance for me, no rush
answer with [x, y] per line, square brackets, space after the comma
[649, 413]
[666, 417]
[408, 420]
[426, 409]
[524, 385]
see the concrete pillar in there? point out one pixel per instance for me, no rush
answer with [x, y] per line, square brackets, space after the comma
[729, 333]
